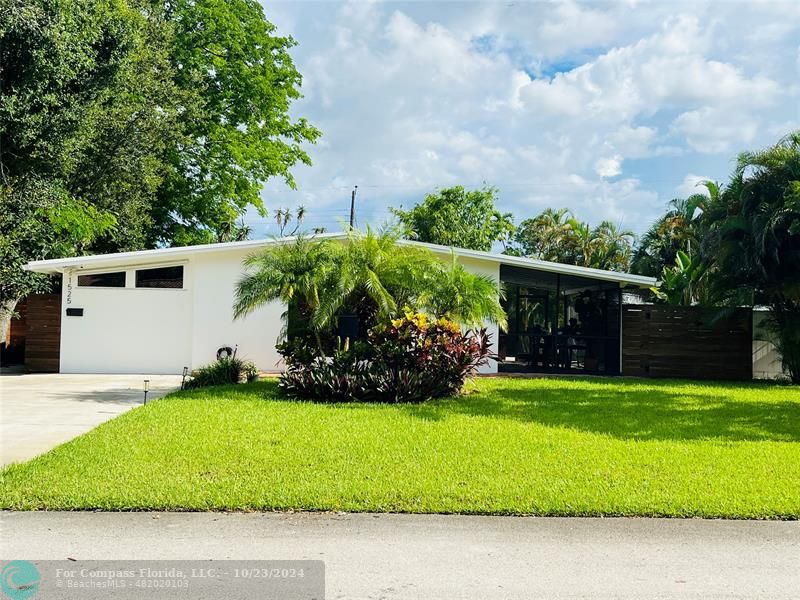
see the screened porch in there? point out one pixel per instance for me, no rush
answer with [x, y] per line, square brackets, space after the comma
[559, 323]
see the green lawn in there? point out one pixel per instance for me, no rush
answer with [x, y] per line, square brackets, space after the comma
[513, 446]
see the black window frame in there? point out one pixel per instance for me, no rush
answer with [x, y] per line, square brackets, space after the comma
[114, 283]
[178, 280]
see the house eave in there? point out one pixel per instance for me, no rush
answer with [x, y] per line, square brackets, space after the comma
[158, 255]
[624, 279]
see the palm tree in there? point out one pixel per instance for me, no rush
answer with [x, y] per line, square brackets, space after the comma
[464, 297]
[229, 231]
[544, 236]
[372, 274]
[558, 236]
[294, 273]
[375, 276]
[680, 229]
[613, 247]
[754, 236]
[583, 241]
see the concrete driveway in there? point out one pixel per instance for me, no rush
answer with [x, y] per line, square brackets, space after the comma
[41, 411]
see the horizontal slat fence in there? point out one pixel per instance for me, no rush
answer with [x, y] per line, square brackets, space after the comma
[686, 341]
[43, 333]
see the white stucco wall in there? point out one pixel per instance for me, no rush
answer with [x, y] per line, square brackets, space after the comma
[159, 331]
[766, 358]
[215, 279]
[125, 330]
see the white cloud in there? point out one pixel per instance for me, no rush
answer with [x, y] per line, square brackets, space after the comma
[692, 184]
[667, 69]
[609, 167]
[598, 107]
[716, 130]
[572, 25]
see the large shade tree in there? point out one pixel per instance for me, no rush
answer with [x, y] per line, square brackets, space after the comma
[458, 217]
[87, 109]
[150, 122]
[236, 128]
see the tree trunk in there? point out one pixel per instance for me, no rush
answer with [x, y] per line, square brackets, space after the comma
[6, 312]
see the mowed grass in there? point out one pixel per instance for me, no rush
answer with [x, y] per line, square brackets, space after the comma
[511, 446]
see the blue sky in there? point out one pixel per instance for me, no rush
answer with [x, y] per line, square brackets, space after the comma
[610, 109]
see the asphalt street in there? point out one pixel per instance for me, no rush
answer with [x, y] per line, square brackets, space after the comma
[440, 556]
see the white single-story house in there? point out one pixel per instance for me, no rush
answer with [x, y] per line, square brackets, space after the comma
[157, 311]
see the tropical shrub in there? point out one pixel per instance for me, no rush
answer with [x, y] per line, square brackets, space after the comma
[754, 239]
[410, 359]
[372, 275]
[223, 372]
[682, 284]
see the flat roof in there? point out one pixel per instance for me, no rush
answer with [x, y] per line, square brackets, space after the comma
[59, 265]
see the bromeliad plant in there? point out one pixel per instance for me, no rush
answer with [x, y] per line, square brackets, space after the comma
[411, 359]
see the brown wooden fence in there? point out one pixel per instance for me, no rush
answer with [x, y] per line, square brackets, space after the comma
[43, 332]
[686, 341]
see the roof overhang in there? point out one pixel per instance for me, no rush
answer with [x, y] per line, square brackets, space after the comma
[625, 279]
[95, 261]
[59, 265]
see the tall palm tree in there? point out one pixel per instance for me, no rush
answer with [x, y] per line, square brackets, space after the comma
[558, 236]
[754, 236]
[680, 229]
[543, 237]
[583, 241]
[613, 247]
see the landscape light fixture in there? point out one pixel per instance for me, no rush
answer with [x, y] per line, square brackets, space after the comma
[146, 389]
[183, 380]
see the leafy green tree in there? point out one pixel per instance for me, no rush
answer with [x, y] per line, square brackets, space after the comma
[458, 217]
[754, 236]
[237, 132]
[86, 111]
[88, 104]
[169, 115]
[42, 222]
[163, 117]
